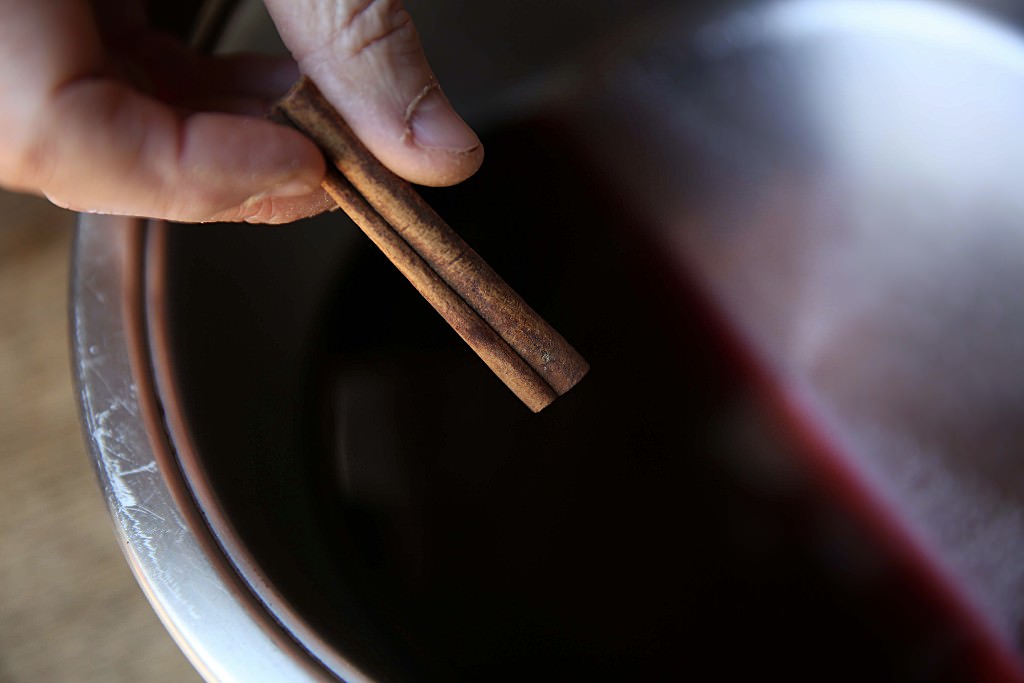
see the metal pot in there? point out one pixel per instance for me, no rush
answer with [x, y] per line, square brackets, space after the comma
[786, 235]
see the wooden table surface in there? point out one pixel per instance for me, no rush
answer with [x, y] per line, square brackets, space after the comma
[70, 609]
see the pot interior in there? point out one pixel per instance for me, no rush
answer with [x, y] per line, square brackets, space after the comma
[657, 519]
[406, 504]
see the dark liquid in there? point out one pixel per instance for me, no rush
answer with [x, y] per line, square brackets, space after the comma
[615, 534]
[649, 525]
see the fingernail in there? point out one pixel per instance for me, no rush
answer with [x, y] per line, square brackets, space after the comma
[296, 186]
[434, 124]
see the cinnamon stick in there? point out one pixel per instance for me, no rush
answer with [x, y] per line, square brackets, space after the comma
[533, 359]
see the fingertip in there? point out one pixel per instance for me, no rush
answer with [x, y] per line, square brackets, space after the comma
[255, 151]
[235, 161]
[440, 148]
[437, 148]
[104, 147]
[444, 168]
[409, 153]
[276, 210]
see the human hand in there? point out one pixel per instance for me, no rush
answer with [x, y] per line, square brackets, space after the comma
[101, 113]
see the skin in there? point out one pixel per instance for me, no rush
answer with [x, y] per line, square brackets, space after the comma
[101, 113]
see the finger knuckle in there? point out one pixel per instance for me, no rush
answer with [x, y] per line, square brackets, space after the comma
[374, 24]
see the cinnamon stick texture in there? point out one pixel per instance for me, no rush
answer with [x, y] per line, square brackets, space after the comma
[533, 360]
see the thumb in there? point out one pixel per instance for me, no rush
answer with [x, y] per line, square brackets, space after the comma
[366, 58]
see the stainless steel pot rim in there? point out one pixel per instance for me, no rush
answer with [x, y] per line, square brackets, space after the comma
[198, 593]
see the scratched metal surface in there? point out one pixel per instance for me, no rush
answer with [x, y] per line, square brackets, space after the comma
[197, 597]
[69, 607]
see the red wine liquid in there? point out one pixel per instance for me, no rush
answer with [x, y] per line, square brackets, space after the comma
[652, 524]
